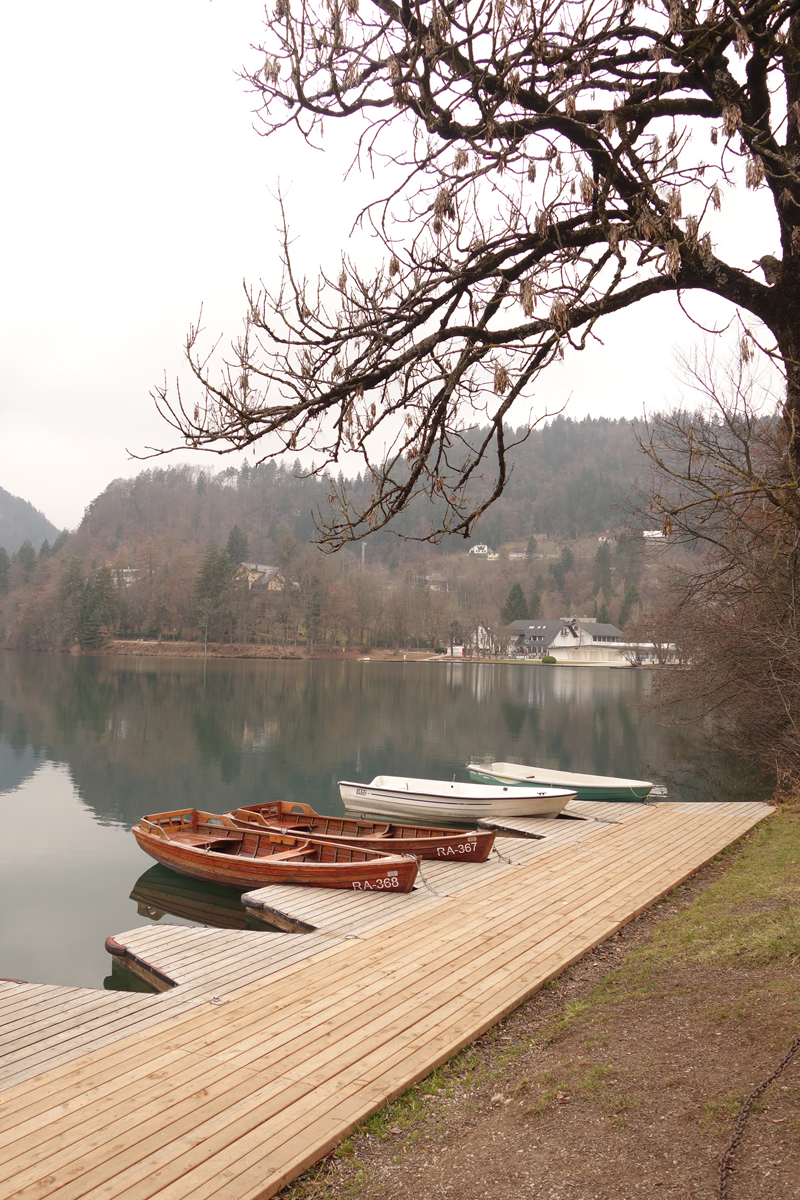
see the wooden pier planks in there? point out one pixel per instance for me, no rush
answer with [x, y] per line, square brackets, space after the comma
[350, 913]
[233, 1101]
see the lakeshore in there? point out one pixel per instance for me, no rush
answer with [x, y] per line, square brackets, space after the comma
[235, 1081]
[624, 1077]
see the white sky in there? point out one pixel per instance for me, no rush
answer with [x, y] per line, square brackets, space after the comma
[135, 190]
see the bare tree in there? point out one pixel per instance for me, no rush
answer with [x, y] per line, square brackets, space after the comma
[725, 482]
[550, 164]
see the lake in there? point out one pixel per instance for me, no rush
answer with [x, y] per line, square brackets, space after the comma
[88, 745]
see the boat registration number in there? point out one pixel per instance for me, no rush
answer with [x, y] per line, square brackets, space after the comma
[378, 885]
[461, 848]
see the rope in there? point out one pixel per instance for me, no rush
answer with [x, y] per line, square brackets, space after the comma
[727, 1157]
[511, 862]
[422, 876]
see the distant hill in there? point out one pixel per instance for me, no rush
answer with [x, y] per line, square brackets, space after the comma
[21, 522]
[160, 534]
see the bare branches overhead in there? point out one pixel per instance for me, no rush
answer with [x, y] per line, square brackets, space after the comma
[549, 165]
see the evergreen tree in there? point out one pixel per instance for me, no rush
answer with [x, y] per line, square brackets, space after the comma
[70, 597]
[60, 540]
[602, 571]
[97, 611]
[44, 549]
[212, 578]
[214, 573]
[535, 605]
[238, 546]
[515, 607]
[558, 570]
[201, 487]
[5, 563]
[530, 549]
[26, 557]
[630, 601]
[602, 614]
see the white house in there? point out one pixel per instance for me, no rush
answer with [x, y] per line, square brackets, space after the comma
[587, 641]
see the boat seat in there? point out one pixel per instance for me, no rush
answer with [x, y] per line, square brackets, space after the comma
[207, 842]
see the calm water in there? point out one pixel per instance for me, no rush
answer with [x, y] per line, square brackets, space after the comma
[89, 745]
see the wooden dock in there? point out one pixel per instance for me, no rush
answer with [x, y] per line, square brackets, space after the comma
[271, 1045]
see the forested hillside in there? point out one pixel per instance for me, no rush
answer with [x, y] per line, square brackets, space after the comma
[157, 556]
[21, 522]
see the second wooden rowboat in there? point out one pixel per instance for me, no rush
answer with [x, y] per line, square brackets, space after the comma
[208, 847]
[454, 845]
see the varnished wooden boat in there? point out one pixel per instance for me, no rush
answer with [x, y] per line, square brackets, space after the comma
[205, 846]
[454, 845]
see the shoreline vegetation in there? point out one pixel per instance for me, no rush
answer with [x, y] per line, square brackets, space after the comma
[626, 1075]
[151, 648]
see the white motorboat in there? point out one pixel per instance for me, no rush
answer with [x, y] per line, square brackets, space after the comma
[441, 800]
[587, 787]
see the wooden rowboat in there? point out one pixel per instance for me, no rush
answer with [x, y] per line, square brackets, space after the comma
[205, 846]
[455, 845]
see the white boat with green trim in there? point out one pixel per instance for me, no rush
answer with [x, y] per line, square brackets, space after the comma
[442, 800]
[586, 787]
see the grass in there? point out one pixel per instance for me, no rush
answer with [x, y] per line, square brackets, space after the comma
[748, 917]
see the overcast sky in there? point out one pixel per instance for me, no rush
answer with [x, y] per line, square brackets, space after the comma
[135, 190]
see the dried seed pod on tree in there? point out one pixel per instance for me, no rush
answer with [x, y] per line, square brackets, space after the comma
[556, 153]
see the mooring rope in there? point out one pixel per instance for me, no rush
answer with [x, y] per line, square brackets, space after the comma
[511, 862]
[422, 876]
[727, 1157]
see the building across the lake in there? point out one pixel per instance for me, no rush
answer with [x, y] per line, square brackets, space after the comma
[258, 575]
[584, 640]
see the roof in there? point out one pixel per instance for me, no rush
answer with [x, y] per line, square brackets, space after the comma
[539, 625]
[257, 567]
[552, 627]
[599, 629]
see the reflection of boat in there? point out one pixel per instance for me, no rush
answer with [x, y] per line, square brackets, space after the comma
[215, 850]
[395, 795]
[161, 891]
[457, 845]
[587, 787]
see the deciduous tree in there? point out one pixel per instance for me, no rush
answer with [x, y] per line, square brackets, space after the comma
[549, 164]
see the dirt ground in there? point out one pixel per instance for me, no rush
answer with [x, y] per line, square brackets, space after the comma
[625, 1076]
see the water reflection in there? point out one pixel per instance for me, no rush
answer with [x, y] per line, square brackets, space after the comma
[87, 745]
[160, 891]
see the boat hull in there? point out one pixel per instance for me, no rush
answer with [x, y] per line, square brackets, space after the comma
[292, 860]
[586, 788]
[460, 845]
[416, 802]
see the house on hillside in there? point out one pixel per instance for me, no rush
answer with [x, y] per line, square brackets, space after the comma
[260, 576]
[434, 583]
[585, 640]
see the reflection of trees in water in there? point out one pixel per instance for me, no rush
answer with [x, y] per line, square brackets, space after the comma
[151, 736]
[18, 762]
